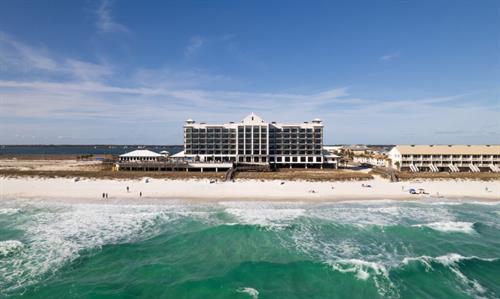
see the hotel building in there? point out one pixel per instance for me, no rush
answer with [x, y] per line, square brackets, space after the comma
[254, 141]
[453, 158]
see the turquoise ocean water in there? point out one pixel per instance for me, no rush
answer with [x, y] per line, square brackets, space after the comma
[259, 250]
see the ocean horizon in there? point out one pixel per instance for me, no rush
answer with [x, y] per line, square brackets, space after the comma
[92, 149]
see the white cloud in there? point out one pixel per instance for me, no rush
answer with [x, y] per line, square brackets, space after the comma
[194, 45]
[17, 57]
[389, 57]
[105, 22]
[86, 70]
[20, 56]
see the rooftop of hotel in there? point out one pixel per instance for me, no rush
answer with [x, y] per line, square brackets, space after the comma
[253, 119]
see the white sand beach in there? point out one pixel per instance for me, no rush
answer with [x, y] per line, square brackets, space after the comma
[255, 190]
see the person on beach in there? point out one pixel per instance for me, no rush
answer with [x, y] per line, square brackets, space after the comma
[106, 195]
[128, 190]
[103, 195]
[140, 194]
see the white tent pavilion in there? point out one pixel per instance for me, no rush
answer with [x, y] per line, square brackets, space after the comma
[140, 155]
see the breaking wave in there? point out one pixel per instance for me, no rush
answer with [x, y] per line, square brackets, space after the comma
[363, 270]
[262, 214]
[253, 293]
[58, 235]
[450, 226]
[452, 262]
[9, 211]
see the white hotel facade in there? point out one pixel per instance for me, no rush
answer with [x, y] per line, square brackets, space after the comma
[453, 158]
[254, 141]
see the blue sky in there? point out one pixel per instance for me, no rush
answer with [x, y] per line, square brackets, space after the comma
[383, 72]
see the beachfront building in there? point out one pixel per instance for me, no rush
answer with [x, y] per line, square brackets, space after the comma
[452, 158]
[140, 156]
[372, 159]
[254, 141]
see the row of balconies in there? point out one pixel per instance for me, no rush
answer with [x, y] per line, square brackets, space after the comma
[446, 163]
[308, 153]
[210, 144]
[252, 153]
[209, 141]
[241, 139]
[452, 159]
[212, 131]
[296, 131]
[296, 145]
[255, 144]
[450, 156]
[209, 148]
[262, 153]
[278, 141]
[249, 140]
[295, 159]
[309, 136]
[210, 152]
[195, 135]
[255, 128]
[255, 135]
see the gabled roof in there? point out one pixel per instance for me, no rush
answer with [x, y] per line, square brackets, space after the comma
[252, 118]
[141, 153]
[179, 155]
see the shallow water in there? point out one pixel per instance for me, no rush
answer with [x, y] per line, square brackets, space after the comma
[380, 249]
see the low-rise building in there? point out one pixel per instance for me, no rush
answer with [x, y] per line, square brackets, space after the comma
[452, 158]
[140, 156]
[372, 159]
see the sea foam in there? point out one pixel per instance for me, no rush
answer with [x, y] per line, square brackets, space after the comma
[9, 247]
[58, 234]
[363, 270]
[9, 211]
[253, 293]
[445, 260]
[450, 226]
[265, 215]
